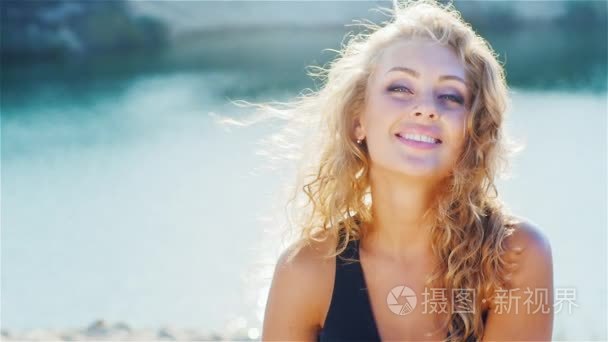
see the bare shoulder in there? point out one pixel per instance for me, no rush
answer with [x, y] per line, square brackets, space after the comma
[300, 291]
[308, 263]
[528, 239]
[529, 249]
[307, 256]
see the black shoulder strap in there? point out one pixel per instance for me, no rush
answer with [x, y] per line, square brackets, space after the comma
[350, 317]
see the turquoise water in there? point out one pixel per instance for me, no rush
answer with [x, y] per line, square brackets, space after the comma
[132, 206]
[123, 199]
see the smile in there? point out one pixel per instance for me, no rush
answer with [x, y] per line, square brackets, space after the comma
[419, 141]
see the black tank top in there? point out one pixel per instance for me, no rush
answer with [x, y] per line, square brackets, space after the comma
[350, 316]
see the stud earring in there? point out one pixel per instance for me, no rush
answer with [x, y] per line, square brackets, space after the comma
[359, 141]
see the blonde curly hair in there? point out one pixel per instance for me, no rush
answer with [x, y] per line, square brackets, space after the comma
[470, 223]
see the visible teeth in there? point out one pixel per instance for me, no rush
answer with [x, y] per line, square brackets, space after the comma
[419, 137]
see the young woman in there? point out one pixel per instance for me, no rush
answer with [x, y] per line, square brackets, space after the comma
[404, 237]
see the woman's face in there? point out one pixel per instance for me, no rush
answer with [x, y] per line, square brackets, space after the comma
[417, 104]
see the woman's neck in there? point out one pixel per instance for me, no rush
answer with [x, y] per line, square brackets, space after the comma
[400, 229]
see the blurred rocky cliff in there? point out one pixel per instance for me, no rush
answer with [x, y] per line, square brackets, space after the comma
[56, 29]
[67, 28]
[539, 36]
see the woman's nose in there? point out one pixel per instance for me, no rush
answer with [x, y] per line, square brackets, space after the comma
[430, 114]
[425, 108]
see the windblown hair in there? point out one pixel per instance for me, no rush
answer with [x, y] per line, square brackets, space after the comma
[470, 223]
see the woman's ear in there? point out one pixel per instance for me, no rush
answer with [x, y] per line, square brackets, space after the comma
[359, 128]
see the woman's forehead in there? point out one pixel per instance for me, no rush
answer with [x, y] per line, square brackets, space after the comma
[420, 56]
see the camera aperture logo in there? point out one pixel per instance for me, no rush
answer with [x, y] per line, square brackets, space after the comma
[408, 300]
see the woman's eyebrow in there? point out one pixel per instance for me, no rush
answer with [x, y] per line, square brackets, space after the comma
[405, 70]
[416, 74]
[453, 77]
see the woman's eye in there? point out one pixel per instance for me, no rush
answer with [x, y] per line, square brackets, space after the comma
[454, 98]
[400, 89]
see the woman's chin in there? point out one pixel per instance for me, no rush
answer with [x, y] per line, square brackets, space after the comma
[420, 171]
[422, 174]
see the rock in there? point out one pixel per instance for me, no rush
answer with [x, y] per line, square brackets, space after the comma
[121, 326]
[97, 328]
[166, 334]
[65, 29]
[68, 337]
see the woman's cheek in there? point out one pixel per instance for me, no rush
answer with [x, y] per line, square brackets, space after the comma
[457, 134]
[399, 103]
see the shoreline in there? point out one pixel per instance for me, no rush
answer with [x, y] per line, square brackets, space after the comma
[102, 330]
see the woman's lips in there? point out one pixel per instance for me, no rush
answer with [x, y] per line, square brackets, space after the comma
[417, 144]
